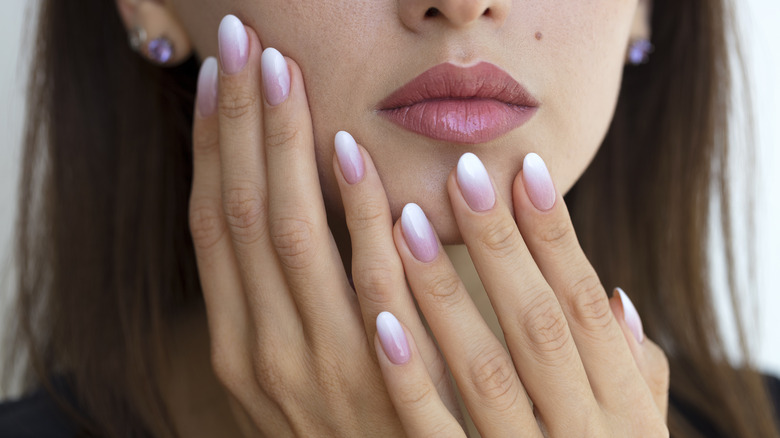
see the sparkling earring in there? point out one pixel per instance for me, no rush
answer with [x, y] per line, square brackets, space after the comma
[159, 50]
[639, 51]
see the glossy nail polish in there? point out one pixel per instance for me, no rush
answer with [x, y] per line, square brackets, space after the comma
[393, 338]
[631, 316]
[418, 233]
[207, 87]
[538, 183]
[349, 157]
[276, 76]
[233, 44]
[474, 183]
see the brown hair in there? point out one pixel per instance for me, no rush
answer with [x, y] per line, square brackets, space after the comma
[104, 257]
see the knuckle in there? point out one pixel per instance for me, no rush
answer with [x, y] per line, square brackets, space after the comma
[444, 290]
[237, 103]
[590, 305]
[365, 215]
[244, 207]
[556, 234]
[272, 377]
[546, 326]
[206, 223]
[281, 135]
[293, 238]
[493, 377]
[374, 284]
[414, 395]
[500, 237]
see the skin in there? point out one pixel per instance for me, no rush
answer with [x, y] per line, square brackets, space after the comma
[348, 70]
[282, 316]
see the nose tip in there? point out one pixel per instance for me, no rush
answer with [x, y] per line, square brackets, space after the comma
[459, 13]
[417, 14]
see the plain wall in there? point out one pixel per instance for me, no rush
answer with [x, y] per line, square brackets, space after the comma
[758, 18]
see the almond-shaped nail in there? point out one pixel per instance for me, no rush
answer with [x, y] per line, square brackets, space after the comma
[233, 44]
[474, 183]
[631, 316]
[349, 157]
[418, 233]
[206, 101]
[276, 76]
[538, 183]
[393, 338]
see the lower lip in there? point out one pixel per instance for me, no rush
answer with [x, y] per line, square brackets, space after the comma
[461, 120]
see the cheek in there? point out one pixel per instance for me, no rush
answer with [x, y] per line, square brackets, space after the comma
[587, 47]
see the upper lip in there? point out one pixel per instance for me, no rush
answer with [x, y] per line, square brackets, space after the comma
[449, 81]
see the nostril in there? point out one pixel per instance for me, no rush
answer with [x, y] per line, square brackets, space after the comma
[432, 12]
[487, 12]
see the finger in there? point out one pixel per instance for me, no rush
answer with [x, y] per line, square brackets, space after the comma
[651, 360]
[481, 366]
[244, 178]
[378, 273]
[534, 325]
[411, 390]
[297, 221]
[219, 276]
[544, 222]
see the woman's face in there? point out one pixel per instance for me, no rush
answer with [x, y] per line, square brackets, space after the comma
[567, 54]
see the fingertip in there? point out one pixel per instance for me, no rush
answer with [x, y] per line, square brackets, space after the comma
[206, 99]
[349, 158]
[393, 338]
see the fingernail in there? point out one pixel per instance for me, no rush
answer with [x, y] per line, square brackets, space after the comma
[538, 183]
[276, 76]
[350, 160]
[418, 233]
[393, 338]
[207, 87]
[474, 183]
[631, 316]
[233, 44]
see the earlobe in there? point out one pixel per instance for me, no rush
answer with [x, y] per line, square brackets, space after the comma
[641, 27]
[639, 45]
[154, 31]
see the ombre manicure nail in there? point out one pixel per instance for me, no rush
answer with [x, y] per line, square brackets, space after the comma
[207, 87]
[538, 183]
[631, 316]
[276, 76]
[474, 183]
[393, 338]
[350, 159]
[418, 233]
[233, 44]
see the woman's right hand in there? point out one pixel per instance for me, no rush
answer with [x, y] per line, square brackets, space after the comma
[290, 338]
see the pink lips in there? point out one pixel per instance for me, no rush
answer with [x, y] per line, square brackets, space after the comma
[461, 105]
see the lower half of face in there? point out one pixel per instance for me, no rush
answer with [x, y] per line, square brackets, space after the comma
[567, 54]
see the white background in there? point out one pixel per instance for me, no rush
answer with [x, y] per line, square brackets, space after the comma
[759, 21]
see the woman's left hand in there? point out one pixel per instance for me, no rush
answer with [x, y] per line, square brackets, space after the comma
[582, 360]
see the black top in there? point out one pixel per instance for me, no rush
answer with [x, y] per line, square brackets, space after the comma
[37, 415]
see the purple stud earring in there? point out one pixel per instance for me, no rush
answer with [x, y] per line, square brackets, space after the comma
[159, 50]
[639, 51]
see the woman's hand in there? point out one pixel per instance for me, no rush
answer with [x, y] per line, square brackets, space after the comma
[288, 339]
[586, 367]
